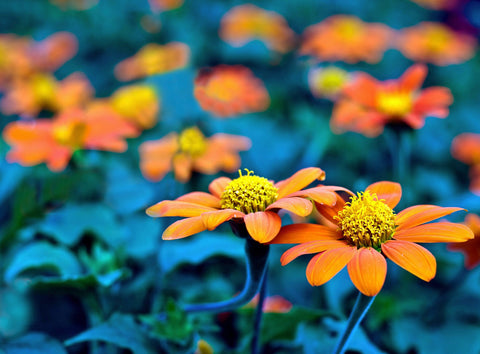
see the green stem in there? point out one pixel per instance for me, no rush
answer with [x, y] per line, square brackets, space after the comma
[359, 311]
[258, 314]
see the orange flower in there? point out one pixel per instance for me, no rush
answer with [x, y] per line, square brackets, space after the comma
[15, 63]
[153, 59]
[327, 82]
[138, 103]
[227, 91]
[191, 151]
[436, 4]
[52, 52]
[54, 141]
[346, 38]
[42, 91]
[470, 248]
[435, 43]
[369, 105]
[75, 4]
[466, 148]
[249, 201]
[164, 5]
[247, 22]
[272, 304]
[365, 230]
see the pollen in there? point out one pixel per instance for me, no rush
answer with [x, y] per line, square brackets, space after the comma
[71, 134]
[192, 142]
[395, 104]
[366, 221]
[249, 193]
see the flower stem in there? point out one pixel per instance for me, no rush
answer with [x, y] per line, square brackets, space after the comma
[256, 256]
[258, 314]
[359, 310]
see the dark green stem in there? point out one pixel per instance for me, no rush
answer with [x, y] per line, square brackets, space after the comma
[398, 141]
[359, 311]
[258, 314]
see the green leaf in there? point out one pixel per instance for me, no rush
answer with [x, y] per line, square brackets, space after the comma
[43, 255]
[120, 330]
[143, 234]
[34, 343]
[195, 250]
[15, 312]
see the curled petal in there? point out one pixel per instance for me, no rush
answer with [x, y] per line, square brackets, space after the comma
[201, 198]
[411, 257]
[368, 270]
[318, 194]
[214, 218]
[435, 232]
[391, 192]
[263, 226]
[177, 208]
[310, 247]
[184, 228]
[218, 186]
[420, 214]
[300, 233]
[325, 265]
[299, 180]
[296, 205]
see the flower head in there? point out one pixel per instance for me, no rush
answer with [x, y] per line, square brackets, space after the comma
[368, 105]
[227, 91]
[272, 304]
[52, 52]
[364, 231]
[470, 248]
[153, 59]
[435, 43]
[248, 200]
[466, 148]
[247, 22]
[164, 5]
[191, 151]
[328, 81]
[346, 38]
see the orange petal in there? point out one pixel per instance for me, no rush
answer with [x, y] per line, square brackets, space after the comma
[298, 206]
[420, 214]
[390, 191]
[310, 247]
[299, 180]
[201, 198]
[300, 233]
[176, 208]
[214, 218]
[368, 269]
[318, 194]
[325, 265]
[182, 167]
[184, 228]
[435, 232]
[263, 226]
[218, 186]
[411, 257]
[413, 78]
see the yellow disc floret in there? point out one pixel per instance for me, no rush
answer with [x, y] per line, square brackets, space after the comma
[71, 134]
[396, 104]
[366, 221]
[192, 142]
[249, 193]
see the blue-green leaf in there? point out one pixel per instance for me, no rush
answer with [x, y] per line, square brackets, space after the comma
[34, 343]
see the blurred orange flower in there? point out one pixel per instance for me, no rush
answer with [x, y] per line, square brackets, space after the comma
[75, 4]
[435, 43]
[15, 62]
[247, 22]
[346, 38]
[327, 81]
[470, 248]
[42, 91]
[153, 59]
[227, 91]
[164, 5]
[191, 151]
[368, 105]
[52, 52]
[436, 4]
[272, 304]
[466, 148]
[138, 103]
[364, 231]
[53, 141]
[249, 201]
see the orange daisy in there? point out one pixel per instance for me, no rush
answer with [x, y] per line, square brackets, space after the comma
[327, 82]
[466, 148]
[470, 248]
[346, 38]
[140, 104]
[247, 22]
[250, 202]
[164, 5]
[54, 141]
[153, 59]
[363, 232]
[368, 105]
[191, 151]
[228, 90]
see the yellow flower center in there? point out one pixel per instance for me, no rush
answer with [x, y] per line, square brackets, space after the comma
[43, 87]
[249, 193]
[224, 87]
[437, 39]
[71, 134]
[366, 221]
[192, 142]
[349, 28]
[330, 80]
[395, 104]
